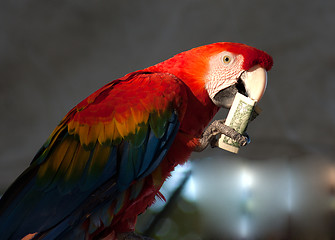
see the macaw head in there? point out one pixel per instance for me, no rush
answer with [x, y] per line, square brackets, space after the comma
[222, 69]
[236, 68]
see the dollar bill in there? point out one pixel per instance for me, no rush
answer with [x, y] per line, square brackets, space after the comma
[240, 113]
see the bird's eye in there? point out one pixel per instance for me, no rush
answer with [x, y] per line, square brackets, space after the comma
[226, 59]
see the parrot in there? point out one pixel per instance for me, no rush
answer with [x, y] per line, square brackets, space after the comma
[105, 162]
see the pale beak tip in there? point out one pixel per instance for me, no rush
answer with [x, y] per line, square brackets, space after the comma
[256, 82]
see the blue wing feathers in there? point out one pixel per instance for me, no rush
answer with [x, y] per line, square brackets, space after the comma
[151, 147]
[55, 207]
[165, 143]
[134, 165]
[126, 170]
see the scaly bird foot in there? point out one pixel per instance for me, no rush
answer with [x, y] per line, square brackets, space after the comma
[218, 127]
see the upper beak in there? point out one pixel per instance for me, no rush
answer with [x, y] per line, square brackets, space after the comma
[255, 81]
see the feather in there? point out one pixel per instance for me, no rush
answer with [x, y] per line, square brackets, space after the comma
[136, 188]
[127, 168]
[75, 171]
[48, 169]
[137, 139]
[119, 203]
[158, 123]
[99, 160]
[121, 128]
[157, 177]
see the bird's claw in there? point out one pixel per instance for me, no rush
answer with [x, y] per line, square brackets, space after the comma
[216, 128]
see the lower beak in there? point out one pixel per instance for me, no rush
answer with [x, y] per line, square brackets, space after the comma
[255, 81]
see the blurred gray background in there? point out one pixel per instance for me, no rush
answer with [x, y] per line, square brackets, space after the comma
[55, 53]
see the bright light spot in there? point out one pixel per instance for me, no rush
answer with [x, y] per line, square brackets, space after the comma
[189, 191]
[246, 179]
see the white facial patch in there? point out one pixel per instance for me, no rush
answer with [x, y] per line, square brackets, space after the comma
[222, 75]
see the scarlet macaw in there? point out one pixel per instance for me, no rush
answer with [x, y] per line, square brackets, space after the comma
[107, 159]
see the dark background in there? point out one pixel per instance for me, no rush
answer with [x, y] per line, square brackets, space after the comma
[55, 53]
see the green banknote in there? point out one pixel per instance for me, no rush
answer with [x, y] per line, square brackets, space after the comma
[238, 118]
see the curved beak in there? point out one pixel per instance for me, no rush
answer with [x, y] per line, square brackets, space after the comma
[255, 81]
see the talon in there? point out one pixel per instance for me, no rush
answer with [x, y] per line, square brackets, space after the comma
[248, 138]
[209, 136]
[242, 140]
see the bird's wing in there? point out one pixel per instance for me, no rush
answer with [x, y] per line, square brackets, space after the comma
[116, 136]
